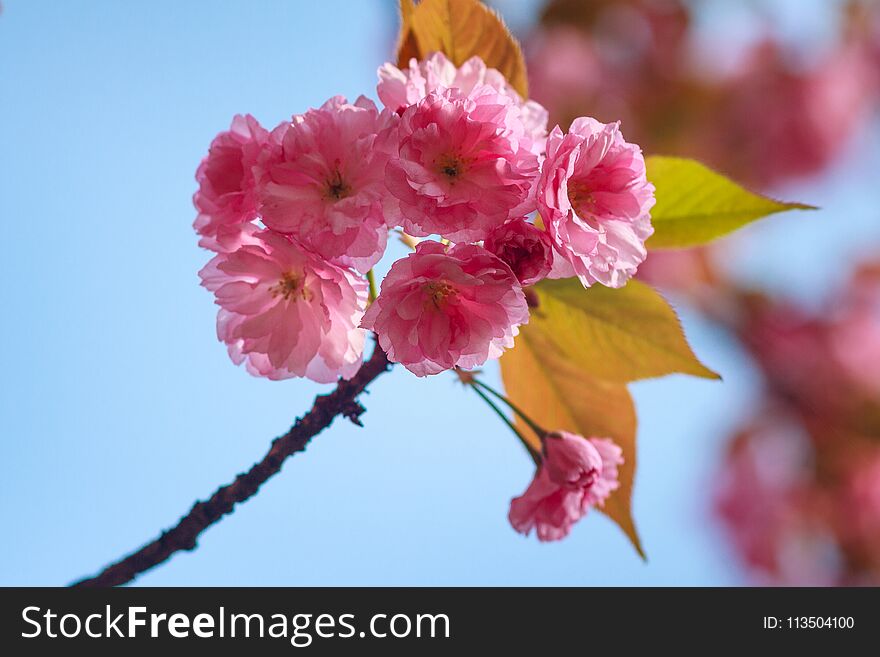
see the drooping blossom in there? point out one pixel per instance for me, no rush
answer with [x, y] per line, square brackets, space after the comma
[462, 169]
[444, 307]
[594, 198]
[576, 473]
[286, 312]
[226, 199]
[525, 248]
[323, 182]
[398, 89]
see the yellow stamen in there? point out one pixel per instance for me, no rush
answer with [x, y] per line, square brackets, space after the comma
[291, 286]
[437, 293]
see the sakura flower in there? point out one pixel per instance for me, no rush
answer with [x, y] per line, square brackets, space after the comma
[462, 169]
[398, 89]
[594, 198]
[525, 248]
[226, 199]
[441, 307]
[548, 508]
[286, 312]
[324, 181]
[577, 473]
[589, 464]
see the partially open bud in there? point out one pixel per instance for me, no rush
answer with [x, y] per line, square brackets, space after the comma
[571, 460]
[577, 473]
[525, 248]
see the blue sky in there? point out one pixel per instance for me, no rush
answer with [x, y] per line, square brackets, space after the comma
[119, 408]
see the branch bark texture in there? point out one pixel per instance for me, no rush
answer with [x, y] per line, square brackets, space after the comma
[184, 535]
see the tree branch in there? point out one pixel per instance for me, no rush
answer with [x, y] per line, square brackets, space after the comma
[184, 535]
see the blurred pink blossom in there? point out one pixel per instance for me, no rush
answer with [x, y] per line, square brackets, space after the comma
[861, 503]
[807, 116]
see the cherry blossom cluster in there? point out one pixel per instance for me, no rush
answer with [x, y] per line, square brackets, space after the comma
[298, 215]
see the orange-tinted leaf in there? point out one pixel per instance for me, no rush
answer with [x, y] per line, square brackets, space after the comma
[461, 29]
[407, 48]
[558, 394]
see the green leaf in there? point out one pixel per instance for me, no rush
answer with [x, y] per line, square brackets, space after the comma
[461, 29]
[695, 205]
[558, 394]
[617, 335]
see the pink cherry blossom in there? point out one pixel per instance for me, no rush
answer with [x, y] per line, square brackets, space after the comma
[226, 199]
[762, 496]
[577, 473]
[398, 89]
[461, 169]
[548, 508]
[594, 198]
[861, 505]
[607, 481]
[444, 307]
[855, 336]
[323, 182]
[286, 312]
[525, 248]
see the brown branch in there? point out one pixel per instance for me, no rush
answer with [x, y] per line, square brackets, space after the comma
[184, 535]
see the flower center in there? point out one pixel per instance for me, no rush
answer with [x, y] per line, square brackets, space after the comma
[290, 286]
[335, 188]
[450, 165]
[586, 478]
[437, 294]
[581, 198]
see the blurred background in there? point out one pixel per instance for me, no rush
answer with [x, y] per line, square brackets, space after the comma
[119, 408]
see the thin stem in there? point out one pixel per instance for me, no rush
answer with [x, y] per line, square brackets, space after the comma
[371, 279]
[536, 457]
[534, 426]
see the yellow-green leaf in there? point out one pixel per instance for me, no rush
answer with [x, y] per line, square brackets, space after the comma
[461, 29]
[695, 205]
[617, 335]
[558, 394]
